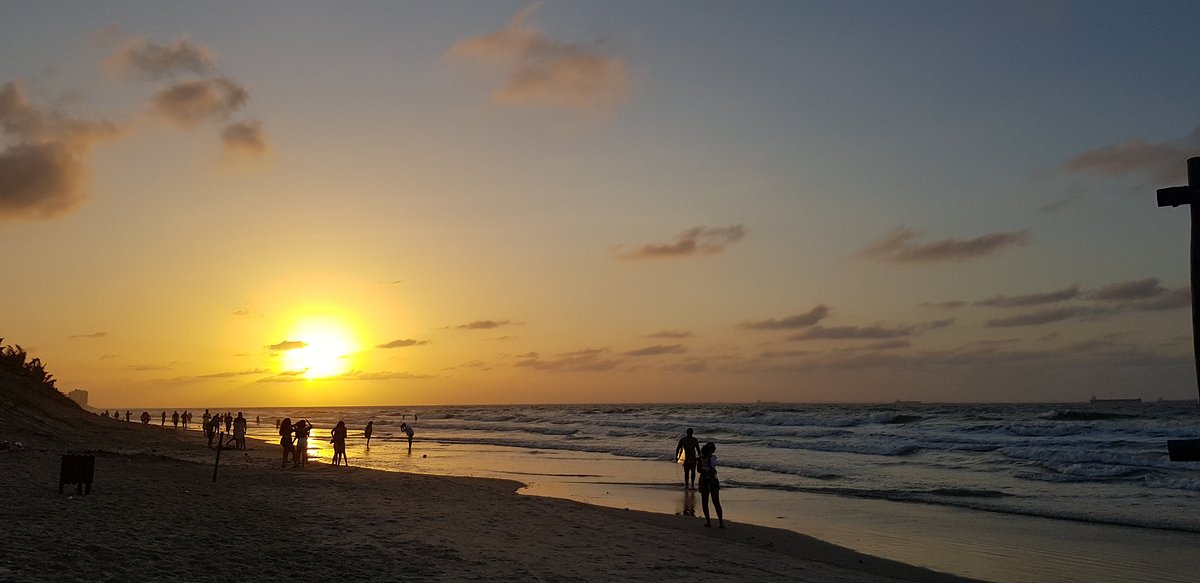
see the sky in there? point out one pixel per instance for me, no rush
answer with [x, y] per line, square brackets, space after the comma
[381, 203]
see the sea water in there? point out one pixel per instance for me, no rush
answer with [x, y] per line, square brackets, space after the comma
[1014, 492]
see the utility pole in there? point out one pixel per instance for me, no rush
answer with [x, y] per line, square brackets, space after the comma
[1183, 450]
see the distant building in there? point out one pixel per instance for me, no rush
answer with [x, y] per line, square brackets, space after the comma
[79, 396]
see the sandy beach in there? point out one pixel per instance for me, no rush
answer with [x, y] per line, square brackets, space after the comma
[155, 514]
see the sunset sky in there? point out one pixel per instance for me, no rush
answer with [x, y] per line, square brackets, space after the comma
[388, 203]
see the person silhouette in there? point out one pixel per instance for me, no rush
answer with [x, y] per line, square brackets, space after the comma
[175, 419]
[368, 430]
[408, 430]
[285, 440]
[239, 431]
[710, 486]
[145, 417]
[301, 430]
[689, 450]
[339, 443]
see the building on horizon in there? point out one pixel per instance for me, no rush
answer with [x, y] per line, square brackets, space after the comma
[80, 396]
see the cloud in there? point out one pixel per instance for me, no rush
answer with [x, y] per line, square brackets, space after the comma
[483, 324]
[541, 71]
[288, 345]
[1045, 316]
[188, 103]
[155, 61]
[1138, 289]
[355, 375]
[225, 375]
[587, 360]
[43, 168]
[697, 240]
[1062, 203]
[657, 349]
[1161, 162]
[867, 332]
[1172, 300]
[92, 335]
[403, 343]
[1024, 301]
[809, 318]
[245, 139]
[899, 247]
[670, 334]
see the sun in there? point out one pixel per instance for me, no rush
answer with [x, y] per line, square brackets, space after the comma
[327, 350]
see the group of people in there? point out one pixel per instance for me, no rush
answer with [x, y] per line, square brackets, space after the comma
[293, 438]
[235, 426]
[703, 460]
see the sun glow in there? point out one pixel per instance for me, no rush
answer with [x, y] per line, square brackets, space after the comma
[328, 349]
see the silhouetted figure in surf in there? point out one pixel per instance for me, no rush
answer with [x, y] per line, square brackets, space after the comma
[408, 430]
[368, 430]
[145, 417]
[175, 419]
[210, 431]
[339, 443]
[285, 440]
[301, 430]
[710, 486]
[164, 419]
[689, 450]
[228, 422]
[128, 413]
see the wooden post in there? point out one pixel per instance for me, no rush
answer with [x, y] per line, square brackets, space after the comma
[220, 439]
[1190, 195]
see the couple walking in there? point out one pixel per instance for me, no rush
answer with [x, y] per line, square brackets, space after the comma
[704, 459]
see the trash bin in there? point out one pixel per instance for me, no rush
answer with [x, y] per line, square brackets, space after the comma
[77, 469]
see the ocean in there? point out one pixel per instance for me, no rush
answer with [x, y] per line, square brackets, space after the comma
[1006, 492]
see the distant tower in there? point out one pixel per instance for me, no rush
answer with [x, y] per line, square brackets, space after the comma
[79, 396]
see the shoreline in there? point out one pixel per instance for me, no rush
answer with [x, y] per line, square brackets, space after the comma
[329, 521]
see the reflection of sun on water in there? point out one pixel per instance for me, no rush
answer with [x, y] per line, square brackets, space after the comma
[329, 347]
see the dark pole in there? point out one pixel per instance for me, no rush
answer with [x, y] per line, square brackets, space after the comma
[1193, 165]
[217, 464]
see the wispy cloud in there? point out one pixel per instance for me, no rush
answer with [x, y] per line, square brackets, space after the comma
[657, 349]
[1024, 301]
[809, 318]
[1046, 316]
[1161, 162]
[876, 332]
[700, 240]
[245, 139]
[288, 345]
[900, 246]
[225, 375]
[483, 325]
[188, 103]
[402, 343]
[950, 305]
[1138, 289]
[542, 71]
[155, 61]
[43, 170]
[92, 335]
[587, 360]
[1172, 300]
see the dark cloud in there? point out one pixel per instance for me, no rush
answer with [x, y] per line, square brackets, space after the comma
[809, 318]
[155, 61]
[188, 103]
[867, 332]
[784, 353]
[587, 360]
[1172, 300]
[1045, 316]
[92, 335]
[1062, 203]
[657, 349]
[1125, 291]
[403, 343]
[899, 247]
[695, 241]
[225, 375]
[670, 334]
[245, 139]
[1161, 162]
[386, 375]
[483, 324]
[1025, 301]
[542, 71]
[288, 345]
[43, 168]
